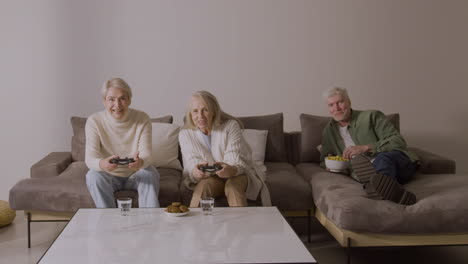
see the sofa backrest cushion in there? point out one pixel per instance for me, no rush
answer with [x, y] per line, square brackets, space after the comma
[78, 142]
[311, 134]
[275, 148]
[256, 139]
[166, 145]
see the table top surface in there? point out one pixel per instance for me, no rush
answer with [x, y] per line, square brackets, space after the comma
[149, 235]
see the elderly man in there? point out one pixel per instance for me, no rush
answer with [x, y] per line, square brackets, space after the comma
[379, 156]
[115, 133]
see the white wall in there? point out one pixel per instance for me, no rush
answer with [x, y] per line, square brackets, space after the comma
[257, 57]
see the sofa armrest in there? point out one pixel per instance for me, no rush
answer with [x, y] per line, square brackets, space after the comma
[51, 165]
[432, 163]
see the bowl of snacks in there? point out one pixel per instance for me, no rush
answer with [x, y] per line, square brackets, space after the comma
[336, 163]
[176, 209]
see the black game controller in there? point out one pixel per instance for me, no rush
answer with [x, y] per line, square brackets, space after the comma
[122, 161]
[211, 169]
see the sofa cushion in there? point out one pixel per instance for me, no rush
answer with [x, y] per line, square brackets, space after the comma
[64, 193]
[440, 198]
[432, 163]
[169, 186]
[275, 148]
[288, 190]
[68, 192]
[79, 138]
[256, 139]
[166, 146]
[311, 134]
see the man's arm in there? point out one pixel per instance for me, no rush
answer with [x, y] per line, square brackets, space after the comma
[351, 151]
[388, 137]
[329, 146]
[381, 136]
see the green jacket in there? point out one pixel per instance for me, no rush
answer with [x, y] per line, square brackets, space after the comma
[366, 127]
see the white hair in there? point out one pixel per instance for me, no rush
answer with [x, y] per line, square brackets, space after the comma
[219, 116]
[332, 91]
[116, 83]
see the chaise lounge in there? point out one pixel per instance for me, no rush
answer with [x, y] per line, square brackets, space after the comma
[438, 217]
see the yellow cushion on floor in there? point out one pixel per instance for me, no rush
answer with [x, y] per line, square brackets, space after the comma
[6, 214]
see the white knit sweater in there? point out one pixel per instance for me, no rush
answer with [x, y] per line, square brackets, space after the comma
[228, 146]
[107, 136]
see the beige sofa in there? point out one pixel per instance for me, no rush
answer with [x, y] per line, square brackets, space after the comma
[57, 187]
[297, 184]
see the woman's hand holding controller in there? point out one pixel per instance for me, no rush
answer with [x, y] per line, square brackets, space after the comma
[227, 170]
[197, 173]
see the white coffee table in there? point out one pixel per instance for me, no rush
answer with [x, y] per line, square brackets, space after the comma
[148, 235]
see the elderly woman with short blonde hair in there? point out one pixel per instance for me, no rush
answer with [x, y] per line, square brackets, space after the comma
[211, 136]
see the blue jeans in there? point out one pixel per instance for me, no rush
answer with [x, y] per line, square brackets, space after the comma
[102, 186]
[395, 164]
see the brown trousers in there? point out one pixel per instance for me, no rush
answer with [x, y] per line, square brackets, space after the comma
[234, 189]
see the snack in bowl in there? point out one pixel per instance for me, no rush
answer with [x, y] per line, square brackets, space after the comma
[176, 209]
[336, 163]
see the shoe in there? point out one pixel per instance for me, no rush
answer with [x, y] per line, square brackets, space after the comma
[386, 188]
[362, 168]
[378, 186]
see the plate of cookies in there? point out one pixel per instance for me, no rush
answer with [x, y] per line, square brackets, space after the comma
[176, 209]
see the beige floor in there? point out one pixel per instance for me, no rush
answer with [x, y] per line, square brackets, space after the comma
[14, 240]
[13, 246]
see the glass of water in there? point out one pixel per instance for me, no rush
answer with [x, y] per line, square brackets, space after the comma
[207, 205]
[124, 204]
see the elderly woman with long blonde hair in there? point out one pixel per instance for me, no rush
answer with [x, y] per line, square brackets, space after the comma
[211, 136]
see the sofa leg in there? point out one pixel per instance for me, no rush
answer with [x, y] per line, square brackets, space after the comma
[348, 250]
[309, 220]
[29, 230]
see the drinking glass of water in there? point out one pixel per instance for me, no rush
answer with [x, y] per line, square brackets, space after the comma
[124, 204]
[207, 205]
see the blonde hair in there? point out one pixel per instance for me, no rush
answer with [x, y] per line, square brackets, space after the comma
[219, 116]
[332, 91]
[116, 83]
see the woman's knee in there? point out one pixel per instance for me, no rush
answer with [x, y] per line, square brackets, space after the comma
[209, 186]
[237, 184]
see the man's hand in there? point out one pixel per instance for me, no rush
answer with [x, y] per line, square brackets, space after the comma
[134, 166]
[197, 173]
[227, 171]
[350, 152]
[106, 165]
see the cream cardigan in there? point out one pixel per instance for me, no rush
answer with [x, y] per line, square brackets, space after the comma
[228, 146]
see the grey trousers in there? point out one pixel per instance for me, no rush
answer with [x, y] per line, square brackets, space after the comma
[102, 186]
